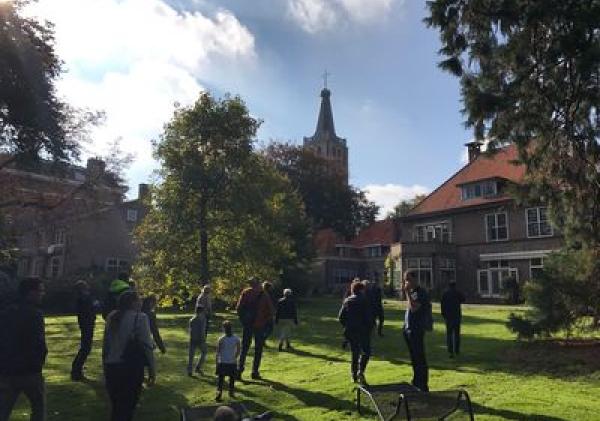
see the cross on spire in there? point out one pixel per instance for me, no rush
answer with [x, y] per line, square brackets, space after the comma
[325, 75]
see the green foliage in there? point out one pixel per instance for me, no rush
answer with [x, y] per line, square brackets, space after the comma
[561, 297]
[405, 206]
[220, 212]
[329, 201]
[530, 73]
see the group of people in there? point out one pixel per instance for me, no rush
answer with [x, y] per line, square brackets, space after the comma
[130, 336]
[363, 306]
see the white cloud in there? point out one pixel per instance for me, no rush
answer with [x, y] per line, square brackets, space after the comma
[321, 15]
[389, 195]
[135, 58]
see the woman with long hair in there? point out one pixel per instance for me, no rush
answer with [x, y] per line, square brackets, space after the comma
[127, 349]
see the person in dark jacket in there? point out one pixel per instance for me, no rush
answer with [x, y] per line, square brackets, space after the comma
[414, 329]
[286, 317]
[149, 309]
[375, 298]
[451, 311]
[356, 318]
[23, 352]
[269, 327]
[86, 308]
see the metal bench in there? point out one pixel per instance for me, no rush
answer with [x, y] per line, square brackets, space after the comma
[403, 401]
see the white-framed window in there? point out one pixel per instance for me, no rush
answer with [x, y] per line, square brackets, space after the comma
[536, 266]
[114, 264]
[538, 224]
[496, 226]
[422, 269]
[343, 276]
[373, 251]
[55, 267]
[438, 231]
[132, 215]
[490, 281]
[59, 236]
[481, 189]
[447, 269]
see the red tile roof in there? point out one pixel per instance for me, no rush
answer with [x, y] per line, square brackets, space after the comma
[449, 195]
[380, 232]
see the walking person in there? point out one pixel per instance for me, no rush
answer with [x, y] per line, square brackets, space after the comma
[356, 318]
[23, 351]
[270, 325]
[116, 288]
[375, 299]
[127, 349]
[149, 309]
[416, 320]
[86, 309]
[255, 310]
[197, 328]
[286, 318]
[205, 300]
[452, 314]
[228, 351]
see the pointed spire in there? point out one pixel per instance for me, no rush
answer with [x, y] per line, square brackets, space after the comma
[325, 127]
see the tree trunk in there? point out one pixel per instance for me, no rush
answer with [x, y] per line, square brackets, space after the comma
[204, 269]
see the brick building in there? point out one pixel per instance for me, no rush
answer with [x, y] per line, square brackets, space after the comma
[471, 230]
[70, 223]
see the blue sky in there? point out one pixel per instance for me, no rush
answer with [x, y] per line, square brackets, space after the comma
[398, 111]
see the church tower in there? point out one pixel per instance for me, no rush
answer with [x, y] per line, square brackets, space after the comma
[325, 143]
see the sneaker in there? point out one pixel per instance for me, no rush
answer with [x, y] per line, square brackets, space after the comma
[256, 376]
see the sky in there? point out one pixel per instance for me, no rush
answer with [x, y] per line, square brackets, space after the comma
[400, 114]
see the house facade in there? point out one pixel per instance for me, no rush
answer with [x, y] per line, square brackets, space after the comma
[75, 228]
[472, 231]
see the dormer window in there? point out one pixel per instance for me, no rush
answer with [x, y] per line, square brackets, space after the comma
[485, 188]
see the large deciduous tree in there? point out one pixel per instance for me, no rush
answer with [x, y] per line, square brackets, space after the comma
[530, 75]
[220, 211]
[329, 201]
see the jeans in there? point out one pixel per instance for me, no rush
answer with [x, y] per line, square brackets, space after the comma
[259, 341]
[360, 345]
[32, 385]
[453, 336]
[85, 347]
[124, 386]
[416, 347]
[192, 353]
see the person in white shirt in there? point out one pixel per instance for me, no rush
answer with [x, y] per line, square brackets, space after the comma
[197, 340]
[228, 351]
[127, 349]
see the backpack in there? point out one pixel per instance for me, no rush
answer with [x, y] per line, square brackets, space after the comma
[134, 353]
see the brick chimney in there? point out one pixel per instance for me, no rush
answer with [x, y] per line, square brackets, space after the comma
[474, 150]
[143, 191]
[95, 168]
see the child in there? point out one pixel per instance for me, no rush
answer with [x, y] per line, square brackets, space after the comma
[197, 340]
[228, 351]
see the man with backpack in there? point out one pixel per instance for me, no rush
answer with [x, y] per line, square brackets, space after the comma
[23, 351]
[417, 320]
[255, 310]
[451, 311]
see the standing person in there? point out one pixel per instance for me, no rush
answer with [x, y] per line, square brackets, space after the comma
[116, 288]
[205, 300]
[127, 330]
[228, 351]
[255, 310]
[375, 299]
[197, 340]
[415, 323]
[286, 317]
[149, 309]
[346, 293]
[23, 351]
[270, 325]
[451, 311]
[356, 319]
[86, 308]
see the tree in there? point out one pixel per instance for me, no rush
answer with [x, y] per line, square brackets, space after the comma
[405, 206]
[329, 202]
[530, 75]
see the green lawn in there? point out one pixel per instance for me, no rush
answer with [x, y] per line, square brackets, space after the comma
[506, 380]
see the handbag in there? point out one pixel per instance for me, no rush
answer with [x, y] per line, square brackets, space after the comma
[134, 353]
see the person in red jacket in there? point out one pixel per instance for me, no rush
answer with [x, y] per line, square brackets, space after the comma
[255, 310]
